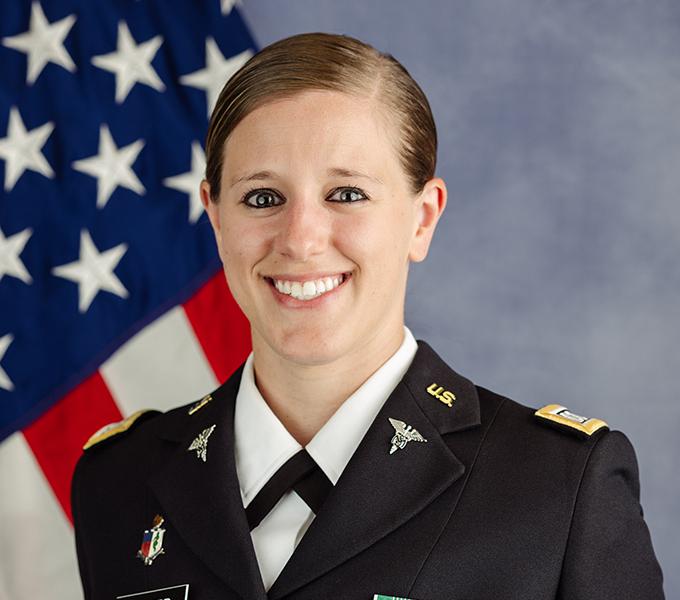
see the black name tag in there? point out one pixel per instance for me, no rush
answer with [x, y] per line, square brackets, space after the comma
[176, 592]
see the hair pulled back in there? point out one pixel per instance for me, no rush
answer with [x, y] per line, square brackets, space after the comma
[324, 61]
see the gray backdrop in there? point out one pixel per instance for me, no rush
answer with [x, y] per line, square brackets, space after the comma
[554, 274]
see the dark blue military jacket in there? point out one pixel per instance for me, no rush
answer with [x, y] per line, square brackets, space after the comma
[495, 505]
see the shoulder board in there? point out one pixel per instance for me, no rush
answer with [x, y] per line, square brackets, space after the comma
[114, 429]
[562, 418]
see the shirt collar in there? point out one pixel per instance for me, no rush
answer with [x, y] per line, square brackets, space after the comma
[262, 443]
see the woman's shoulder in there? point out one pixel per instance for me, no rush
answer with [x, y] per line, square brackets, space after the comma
[553, 443]
[136, 437]
[131, 445]
[552, 416]
[550, 430]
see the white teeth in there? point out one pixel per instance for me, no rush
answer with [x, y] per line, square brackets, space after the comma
[309, 289]
[306, 290]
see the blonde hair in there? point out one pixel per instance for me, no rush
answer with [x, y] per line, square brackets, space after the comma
[324, 61]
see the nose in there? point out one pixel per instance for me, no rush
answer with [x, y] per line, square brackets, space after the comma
[305, 229]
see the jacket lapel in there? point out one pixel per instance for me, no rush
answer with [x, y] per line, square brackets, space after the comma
[379, 491]
[202, 500]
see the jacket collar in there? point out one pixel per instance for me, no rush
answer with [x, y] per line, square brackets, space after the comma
[376, 493]
[428, 379]
[202, 500]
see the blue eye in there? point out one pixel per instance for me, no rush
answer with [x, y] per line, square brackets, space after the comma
[348, 194]
[262, 199]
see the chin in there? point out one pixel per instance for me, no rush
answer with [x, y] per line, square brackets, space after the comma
[308, 347]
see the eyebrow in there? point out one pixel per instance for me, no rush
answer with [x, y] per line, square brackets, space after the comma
[339, 172]
[258, 176]
[334, 171]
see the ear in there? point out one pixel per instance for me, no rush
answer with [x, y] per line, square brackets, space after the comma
[212, 209]
[430, 206]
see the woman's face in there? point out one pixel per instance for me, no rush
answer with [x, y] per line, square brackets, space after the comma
[316, 225]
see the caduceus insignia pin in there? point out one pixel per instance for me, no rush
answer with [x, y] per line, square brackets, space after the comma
[403, 434]
[200, 444]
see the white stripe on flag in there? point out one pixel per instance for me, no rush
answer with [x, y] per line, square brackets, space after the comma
[163, 366]
[37, 549]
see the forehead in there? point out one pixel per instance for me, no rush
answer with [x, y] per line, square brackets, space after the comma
[314, 130]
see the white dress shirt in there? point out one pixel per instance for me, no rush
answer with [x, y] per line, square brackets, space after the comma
[262, 445]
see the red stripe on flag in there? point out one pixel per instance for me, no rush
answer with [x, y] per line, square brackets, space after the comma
[220, 326]
[57, 437]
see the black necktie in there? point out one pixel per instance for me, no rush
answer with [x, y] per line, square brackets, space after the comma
[299, 473]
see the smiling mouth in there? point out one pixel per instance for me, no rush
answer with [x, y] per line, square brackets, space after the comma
[308, 289]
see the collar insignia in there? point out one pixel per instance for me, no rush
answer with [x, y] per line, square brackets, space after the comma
[403, 434]
[200, 444]
[200, 404]
[444, 396]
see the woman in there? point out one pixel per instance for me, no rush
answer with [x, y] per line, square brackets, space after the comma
[344, 459]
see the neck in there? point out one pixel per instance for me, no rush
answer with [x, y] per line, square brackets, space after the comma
[303, 396]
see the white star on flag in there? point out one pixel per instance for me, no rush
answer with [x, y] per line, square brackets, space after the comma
[43, 43]
[216, 72]
[112, 166]
[21, 149]
[227, 5]
[94, 271]
[190, 181]
[131, 63]
[5, 381]
[10, 249]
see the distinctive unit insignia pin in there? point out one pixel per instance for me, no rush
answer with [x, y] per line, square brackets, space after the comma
[200, 444]
[152, 542]
[403, 434]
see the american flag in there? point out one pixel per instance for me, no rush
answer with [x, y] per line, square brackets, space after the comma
[112, 296]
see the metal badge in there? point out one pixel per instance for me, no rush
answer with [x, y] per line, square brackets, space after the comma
[200, 404]
[200, 444]
[152, 542]
[403, 434]
[445, 396]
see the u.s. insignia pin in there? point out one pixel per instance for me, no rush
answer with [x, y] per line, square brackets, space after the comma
[403, 434]
[152, 542]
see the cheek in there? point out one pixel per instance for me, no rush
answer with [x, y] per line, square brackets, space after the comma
[237, 260]
[378, 242]
[241, 245]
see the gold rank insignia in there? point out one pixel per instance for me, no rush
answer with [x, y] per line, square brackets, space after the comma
[200, 404]
[561, 416]
[112, 429]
